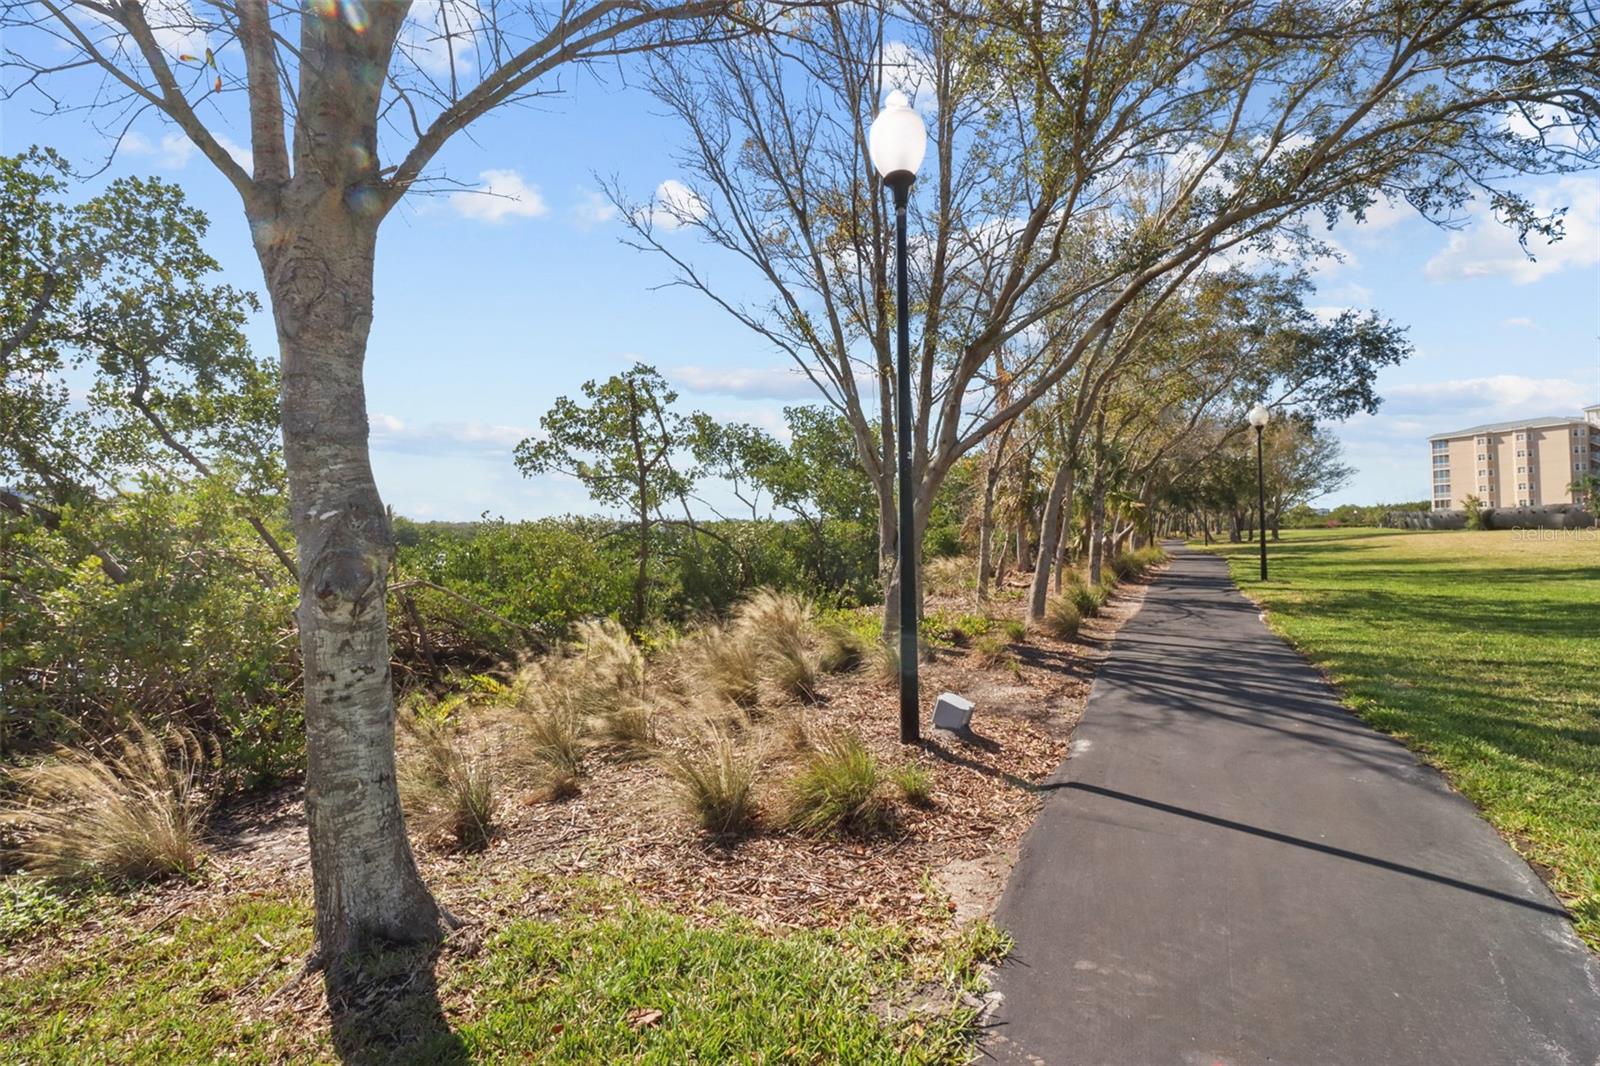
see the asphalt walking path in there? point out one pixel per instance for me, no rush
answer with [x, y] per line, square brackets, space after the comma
[1230, 869]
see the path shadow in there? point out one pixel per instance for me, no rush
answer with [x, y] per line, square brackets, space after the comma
[388, 1011]
[1317, 846]
[935, 745]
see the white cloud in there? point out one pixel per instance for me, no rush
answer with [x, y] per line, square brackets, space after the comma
[1498, 397]
[1488, 249]
[441, 33]
[768, 383]
[392, 434]
[908, 69]
[503, 194]
[594, 209]
[172, 152]
[1520, 321]
[674, 206]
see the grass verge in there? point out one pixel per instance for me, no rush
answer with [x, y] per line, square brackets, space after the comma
[605, 978]
[1481, 651]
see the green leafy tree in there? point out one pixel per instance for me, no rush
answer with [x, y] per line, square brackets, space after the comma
[1585, 488]
[621, 445]
[118, 289]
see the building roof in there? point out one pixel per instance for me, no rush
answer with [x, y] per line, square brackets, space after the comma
[1505, 427]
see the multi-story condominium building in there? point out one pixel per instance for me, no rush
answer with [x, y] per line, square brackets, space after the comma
[1530, 463]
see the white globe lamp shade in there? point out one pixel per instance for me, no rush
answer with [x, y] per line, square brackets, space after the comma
[897, 140]
[1259, 416]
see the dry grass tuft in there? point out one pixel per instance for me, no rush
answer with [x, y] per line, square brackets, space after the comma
[133, 813]
[884, 661]
[448, 788]
[778, 626]
[723, 665]
[842, 648]
[951, 576]
[836, 790]
[992, 650]
[1061, 618]
[713, 781]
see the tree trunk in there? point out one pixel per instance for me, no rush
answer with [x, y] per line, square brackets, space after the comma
[1061, 549]
[986, 531]
[1097, 521]
[318, 260]
[1049, 532]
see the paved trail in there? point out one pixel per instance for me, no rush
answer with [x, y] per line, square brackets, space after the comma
[1232, 869]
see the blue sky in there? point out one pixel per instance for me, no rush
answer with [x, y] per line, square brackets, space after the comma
[490, 307]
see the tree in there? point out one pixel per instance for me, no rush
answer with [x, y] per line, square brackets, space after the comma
[118, 288]
[1085, 162]
[1585, 489]
[621, 446]
[319, 82]
[1302, 464]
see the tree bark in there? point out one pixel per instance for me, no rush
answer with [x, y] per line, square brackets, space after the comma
[318, 261]
[1097, 528]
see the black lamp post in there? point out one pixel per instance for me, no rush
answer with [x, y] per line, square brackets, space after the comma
[897, 142]
[1259, 417]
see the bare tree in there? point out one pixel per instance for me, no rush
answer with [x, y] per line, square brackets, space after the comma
[348, 104]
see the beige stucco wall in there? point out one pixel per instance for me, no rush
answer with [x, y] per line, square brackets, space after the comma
[1546, 467]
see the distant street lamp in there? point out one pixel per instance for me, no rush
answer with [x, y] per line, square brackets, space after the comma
[1259, 417]
[897, 142]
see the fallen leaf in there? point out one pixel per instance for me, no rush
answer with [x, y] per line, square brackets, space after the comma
[643, 1018]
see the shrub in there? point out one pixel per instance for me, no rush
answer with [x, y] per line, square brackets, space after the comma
[714, 783]
[842, 648]
[1061, 618]
[915, 784]
[447, 788]
[836, 789]
[1014, 629]
[992, 650]
[135, 813]
[778, 625]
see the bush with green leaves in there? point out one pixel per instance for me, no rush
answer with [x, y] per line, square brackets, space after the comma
[199, 634]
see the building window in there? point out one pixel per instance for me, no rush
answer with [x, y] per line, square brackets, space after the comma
[1441, 445]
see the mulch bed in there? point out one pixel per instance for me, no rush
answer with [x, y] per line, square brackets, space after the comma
[619, 827]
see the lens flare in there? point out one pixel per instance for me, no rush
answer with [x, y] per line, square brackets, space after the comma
[363, 200]
[354, 13]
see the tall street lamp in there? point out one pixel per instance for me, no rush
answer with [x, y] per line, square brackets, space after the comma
[897, 142]
[1259, 417]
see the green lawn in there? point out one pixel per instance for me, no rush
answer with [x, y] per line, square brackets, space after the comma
[606, 979]
[1482, 651]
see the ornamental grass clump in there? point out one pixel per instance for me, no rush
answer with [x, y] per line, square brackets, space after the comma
[134, 812]
[778, 626]
[1061, 618]
[842, 648]
[835, 790]
[915, 784]
[721, 663]
[992, 650]
[713, 782]
[448, 789]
